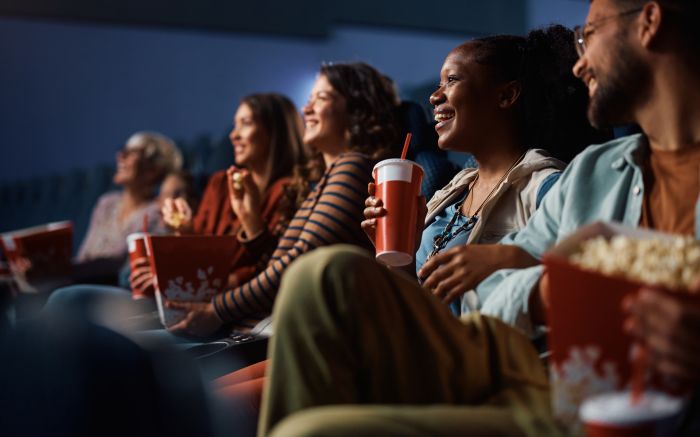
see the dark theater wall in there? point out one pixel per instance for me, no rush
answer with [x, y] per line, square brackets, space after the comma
[77, 80]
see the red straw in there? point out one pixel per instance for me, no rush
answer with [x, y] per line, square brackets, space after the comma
[405, 145]
[145, 223]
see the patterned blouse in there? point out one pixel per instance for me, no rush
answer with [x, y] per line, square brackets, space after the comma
[331, 214]
[106, 235]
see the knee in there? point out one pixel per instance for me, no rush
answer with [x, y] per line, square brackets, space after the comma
[68, 297]
[320, 421]
[324, 275]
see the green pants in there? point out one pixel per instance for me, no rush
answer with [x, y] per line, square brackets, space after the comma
[363, 350]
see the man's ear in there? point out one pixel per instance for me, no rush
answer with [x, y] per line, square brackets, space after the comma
[649, 22]
[509, 94]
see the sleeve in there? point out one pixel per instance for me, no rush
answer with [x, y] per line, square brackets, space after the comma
[211, 202]
[334, 217]
[505, 293]
[261, 246]
[545, 186]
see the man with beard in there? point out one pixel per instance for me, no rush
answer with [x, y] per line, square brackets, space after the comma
[640, 62]
[638, 59]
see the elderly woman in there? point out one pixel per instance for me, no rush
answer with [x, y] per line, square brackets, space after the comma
[143, 162]
[141, 166]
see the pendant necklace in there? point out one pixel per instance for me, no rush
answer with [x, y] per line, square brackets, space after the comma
[447, 234]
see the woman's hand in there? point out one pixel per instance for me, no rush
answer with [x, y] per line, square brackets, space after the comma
[450, 274]
[141, 278]
[177, 214]
[245, 200]
[374, 209]
[669, 326]
[201, 319]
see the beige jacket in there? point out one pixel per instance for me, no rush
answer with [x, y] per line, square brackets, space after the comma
[511, 205]
[508, 210]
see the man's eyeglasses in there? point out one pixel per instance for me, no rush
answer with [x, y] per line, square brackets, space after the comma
[582, 33]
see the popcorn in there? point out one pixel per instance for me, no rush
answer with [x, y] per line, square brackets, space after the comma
[176, 219]
[672, 263]
[237, 179]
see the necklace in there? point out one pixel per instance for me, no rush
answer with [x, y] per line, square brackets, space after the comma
[447, 235]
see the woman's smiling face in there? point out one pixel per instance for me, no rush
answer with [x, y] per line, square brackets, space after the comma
[464, 101]
[326, 119]
[250, 140]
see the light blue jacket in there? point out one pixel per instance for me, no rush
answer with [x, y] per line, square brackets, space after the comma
[603, 183]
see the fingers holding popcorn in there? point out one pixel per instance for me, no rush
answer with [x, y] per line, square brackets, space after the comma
[177, 214]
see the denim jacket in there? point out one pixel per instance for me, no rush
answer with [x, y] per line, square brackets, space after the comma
[603, 183]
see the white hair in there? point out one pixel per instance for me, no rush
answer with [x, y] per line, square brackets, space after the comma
[158, 149]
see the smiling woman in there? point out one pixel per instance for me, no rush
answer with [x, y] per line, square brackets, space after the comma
[498, 98]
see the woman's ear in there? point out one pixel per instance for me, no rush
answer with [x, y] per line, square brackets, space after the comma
[509, 94]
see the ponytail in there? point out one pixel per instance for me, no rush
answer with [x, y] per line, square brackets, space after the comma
[553, 103]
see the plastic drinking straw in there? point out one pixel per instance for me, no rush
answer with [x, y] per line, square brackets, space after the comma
[639, 368]
[405, 145]
[145, 223]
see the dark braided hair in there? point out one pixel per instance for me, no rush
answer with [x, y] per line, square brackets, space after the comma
[552, 105]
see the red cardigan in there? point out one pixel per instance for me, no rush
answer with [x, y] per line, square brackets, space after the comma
[215, 217]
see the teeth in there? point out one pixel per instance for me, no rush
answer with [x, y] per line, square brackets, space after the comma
[442, 117]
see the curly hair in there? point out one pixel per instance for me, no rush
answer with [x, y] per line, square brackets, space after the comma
[553, 103]
[287, 152]
[372, 105]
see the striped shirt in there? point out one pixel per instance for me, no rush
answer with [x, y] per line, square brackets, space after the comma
[331, 214]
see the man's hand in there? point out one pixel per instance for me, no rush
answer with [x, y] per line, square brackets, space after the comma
[669, 326]
[201, 319]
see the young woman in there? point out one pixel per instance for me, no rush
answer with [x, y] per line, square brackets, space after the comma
[512, 103]
[350, 122]
[267, 145]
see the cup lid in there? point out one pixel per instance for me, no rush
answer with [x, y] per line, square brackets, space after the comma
[617, 408]
[397, 161]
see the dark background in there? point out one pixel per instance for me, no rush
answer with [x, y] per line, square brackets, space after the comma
[77, 77]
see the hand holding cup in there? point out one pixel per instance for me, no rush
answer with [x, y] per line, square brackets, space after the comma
[374, 208]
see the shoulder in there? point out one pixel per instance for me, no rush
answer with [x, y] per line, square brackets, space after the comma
[462, 178]
[217, 179]
[606, 154]
[109, 199]
[351, 164]
[357, 160]
[537, 168]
